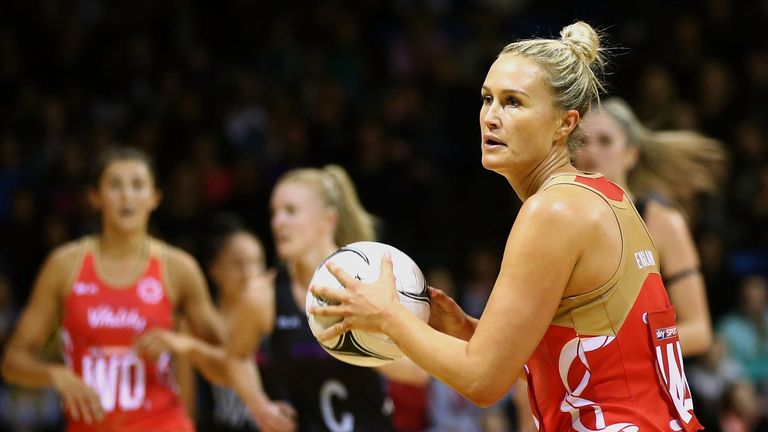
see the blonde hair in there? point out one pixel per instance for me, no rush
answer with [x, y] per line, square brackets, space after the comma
[676, 164]
[335, 187]
[574, 64]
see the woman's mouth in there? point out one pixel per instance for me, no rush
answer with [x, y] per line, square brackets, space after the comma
[492, 141]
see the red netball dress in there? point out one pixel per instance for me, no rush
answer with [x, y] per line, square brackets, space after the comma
[100, 325]
[611, 359]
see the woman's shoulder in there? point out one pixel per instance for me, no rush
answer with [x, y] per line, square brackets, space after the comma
[174, 256]
[664, 219]
[567, 203]
[69, 253]
[61, 265]
[180, 269]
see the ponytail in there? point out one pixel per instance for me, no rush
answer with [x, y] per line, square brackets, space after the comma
[354, 222]
[678, 165]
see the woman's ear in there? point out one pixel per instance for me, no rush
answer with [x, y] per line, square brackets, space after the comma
[332, 218]
[631, 155]
[93, 198]
[213, 270]
[568, 122]
[157, 199]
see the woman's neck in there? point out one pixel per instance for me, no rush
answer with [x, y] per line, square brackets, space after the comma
[118, 245]
[527, 184]
[302, 268]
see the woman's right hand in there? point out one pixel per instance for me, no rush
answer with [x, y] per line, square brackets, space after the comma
[80, 401]
[447, 317]
[276, 416]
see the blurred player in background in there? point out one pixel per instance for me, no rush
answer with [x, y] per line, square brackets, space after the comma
[117, 296]
[314, 211]
[663, 171]
[235, 256]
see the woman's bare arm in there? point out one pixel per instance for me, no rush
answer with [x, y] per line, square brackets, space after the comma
[549, 236]
[22, 364]
[253, 320]
[685, 283]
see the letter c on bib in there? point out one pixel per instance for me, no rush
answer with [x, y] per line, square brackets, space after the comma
[330, 389]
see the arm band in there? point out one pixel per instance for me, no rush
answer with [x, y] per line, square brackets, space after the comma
[682, 274]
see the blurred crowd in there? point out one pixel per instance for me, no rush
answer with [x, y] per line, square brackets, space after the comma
[229, 95]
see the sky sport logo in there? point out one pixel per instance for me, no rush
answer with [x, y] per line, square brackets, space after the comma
[666, 333]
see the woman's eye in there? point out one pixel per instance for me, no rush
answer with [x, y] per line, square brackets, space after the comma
[513, 101]
[487, 99]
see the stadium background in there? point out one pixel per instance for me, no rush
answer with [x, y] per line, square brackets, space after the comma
[229, 95]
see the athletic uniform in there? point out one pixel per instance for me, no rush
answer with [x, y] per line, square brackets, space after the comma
[611, 359]
[100, 325]
[328, 395]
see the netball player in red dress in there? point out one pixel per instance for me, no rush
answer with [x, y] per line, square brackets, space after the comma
[578, 302]
[116, 297]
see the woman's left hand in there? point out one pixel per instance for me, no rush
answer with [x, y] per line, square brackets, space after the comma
[363, 306]
[156, 341]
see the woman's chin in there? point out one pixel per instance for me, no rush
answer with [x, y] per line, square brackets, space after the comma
[286, 253]
[491, 163]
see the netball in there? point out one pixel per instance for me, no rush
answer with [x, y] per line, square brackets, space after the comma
[363, 261]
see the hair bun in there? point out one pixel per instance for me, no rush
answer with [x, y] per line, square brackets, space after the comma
[582, 39]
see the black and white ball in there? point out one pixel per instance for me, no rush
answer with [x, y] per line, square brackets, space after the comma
[362, 260]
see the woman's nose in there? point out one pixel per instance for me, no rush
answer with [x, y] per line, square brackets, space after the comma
[491, 118]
